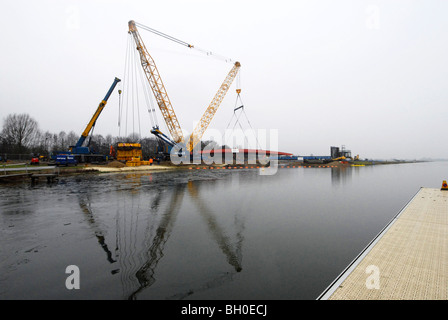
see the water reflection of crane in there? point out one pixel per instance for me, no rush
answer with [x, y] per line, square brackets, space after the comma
[85, 204]
[233, 258]
[145, 274]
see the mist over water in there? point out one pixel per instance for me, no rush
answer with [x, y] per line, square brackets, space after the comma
[198, 234]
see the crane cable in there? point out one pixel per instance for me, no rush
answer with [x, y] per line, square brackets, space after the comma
[151, 108]
[163, 35]
[149, 99]
[241, 107]
[133, 72]
[119, 110]
[120, 107]
[125, 88]
[186, 44]
[135, 80]
[133, 77]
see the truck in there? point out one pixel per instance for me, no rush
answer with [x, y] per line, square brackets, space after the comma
[65, 160]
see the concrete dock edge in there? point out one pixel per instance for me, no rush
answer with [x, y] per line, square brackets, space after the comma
[426, 217]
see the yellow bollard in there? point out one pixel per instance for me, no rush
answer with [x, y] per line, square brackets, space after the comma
[444, 185]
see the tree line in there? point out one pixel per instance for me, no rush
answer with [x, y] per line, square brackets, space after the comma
[21, 134]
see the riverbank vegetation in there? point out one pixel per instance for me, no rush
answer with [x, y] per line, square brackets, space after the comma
[21, 138]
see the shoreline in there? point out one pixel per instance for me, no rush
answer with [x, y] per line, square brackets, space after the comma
[105, 169]
[168, 166]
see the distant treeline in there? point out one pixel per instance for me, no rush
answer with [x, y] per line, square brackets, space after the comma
[21, 134]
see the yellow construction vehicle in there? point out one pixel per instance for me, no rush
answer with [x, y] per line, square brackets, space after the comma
[80, 153]
[155, 82]
[157, 86]
[129, 151]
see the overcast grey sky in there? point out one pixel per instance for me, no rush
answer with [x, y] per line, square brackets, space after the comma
[370, 75]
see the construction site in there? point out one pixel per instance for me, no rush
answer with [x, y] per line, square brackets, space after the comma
[191, 149]
[171, 147]
[200, 202]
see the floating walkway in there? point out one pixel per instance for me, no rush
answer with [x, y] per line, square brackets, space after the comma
[14, 176]
[28, 172]
[408, 260]
[51, 177]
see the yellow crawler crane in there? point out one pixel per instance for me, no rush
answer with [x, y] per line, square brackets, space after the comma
[209, 113]
[163, 101]
[157, 86]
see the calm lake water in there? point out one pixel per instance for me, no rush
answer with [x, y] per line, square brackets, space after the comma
[198, 234]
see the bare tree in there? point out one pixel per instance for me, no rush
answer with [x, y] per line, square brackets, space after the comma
[62, 140]
[47, 140]
[149, 146]
[109, 140]
[133, 137]
[72, 138]
[20, 131]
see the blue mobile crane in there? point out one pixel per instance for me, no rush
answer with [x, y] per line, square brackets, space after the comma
[79, 153]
